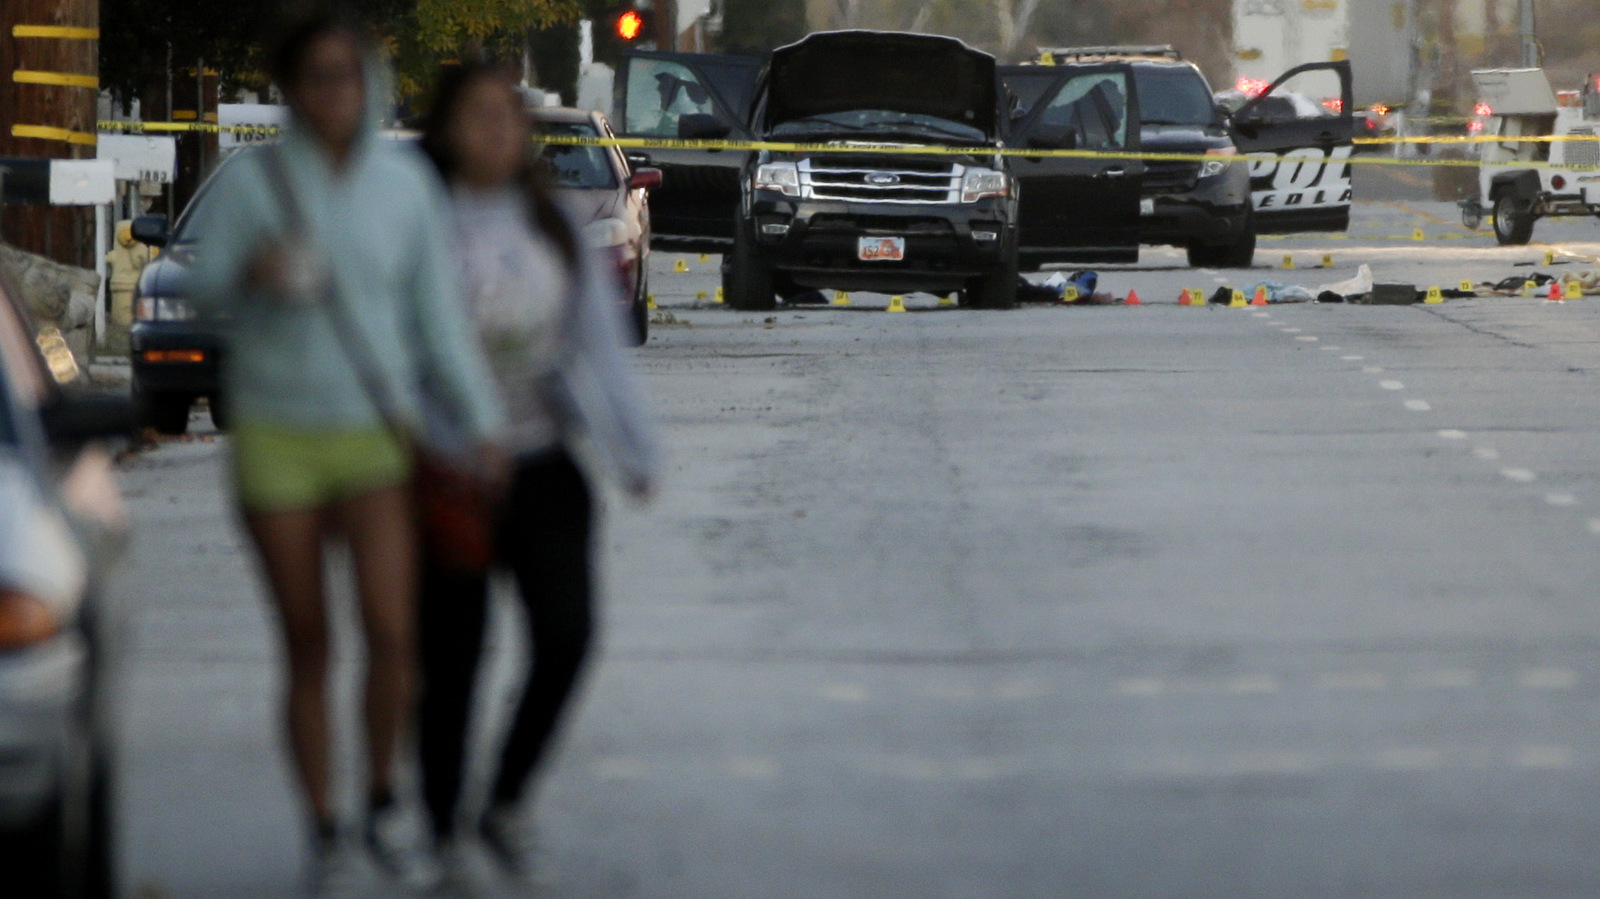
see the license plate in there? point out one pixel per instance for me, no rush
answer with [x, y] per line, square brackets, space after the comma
[881, 249]
[1147, 206]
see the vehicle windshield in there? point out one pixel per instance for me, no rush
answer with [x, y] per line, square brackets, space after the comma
[1173, 95]
[587, 167]
[878, 122]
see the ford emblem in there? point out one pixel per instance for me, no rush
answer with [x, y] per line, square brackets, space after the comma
[882, 179]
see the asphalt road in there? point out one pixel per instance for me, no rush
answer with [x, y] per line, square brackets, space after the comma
[1114, 601]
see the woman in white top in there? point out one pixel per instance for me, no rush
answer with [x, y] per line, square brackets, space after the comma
[547, 314]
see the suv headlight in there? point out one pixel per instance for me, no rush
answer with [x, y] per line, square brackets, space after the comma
[783, 177]
[164, 309]
[1218, 165]
[979, 183]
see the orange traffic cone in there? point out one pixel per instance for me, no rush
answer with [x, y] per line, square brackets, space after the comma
[1261, 297]
[1556, 296]
[1133, 299]
[1184, 299]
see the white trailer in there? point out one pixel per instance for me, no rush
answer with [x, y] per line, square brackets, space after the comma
[1376, 36]
[1522, 181]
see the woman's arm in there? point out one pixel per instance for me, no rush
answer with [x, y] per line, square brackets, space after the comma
[603, 389]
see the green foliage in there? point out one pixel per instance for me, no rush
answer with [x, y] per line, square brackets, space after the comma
[755, 27]
[420, 34]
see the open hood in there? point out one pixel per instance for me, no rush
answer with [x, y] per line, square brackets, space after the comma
[838, 71]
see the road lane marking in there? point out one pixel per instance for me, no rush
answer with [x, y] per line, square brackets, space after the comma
[1352, 680]
[845, 692]
[1486, 453]
[1545, 758]
[1453, 434]
[1371, 370]
[1253, 683]
[1307, 338]
[1022, 688]
[1353, 358]
[1141, 686]
[1391, 385]
[1547, 679]
[980, 768]
[1446, 679]
[1418, 406]
[1520, 475]
[620, 768]
[1291, 330]
[1561, 499]
[1260, 315]
[1594, 525]
[1409, 758]
[754, 767]
[908, 766]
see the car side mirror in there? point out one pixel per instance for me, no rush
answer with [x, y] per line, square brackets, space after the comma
[637, 160]
[1054, 137]
[79, 416]
[647, 179]
[700, 126]
[151, 230]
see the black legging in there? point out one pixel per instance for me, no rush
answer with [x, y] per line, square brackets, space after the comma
[544, 541]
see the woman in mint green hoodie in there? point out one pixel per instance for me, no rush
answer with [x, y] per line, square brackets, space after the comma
[341, 231]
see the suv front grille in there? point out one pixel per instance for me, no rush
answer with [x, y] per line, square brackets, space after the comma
[880, 180]
[1169, 176]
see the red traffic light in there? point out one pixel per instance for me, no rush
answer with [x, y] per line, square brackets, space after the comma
[630, 25]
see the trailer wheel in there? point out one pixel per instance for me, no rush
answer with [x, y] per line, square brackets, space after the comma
[1513, 220]
[1471, 216]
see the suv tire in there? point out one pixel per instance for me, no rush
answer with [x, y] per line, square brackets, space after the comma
[1239, 254]
[996, 288]
[748, 284]
[167, 413]
[1513, 220]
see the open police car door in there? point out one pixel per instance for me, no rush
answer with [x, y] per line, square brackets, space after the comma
[1306, 117]
[688, 96]
[1075, 209]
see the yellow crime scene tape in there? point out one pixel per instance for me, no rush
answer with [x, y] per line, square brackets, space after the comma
[666, 143]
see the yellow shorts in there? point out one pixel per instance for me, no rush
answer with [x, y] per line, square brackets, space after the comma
[283, 469]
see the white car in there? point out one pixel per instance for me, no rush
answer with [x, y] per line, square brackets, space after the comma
[61, 522]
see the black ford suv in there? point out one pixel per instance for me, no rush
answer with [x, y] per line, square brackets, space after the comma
[910, 193]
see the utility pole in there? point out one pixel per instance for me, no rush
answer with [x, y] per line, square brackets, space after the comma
[1526, 30]
[49, 82]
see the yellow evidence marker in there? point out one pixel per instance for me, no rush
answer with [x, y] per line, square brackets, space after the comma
[650, 301]
[840, 298]
[897, 303]
[1288, 263]
[680, 267]
[699, 296]
[705, 257]
[1435, 295]
[1528, 288]
[1465, 284]
[1238, 301]
[1069, 294]
[1416, 234]
[720, 296]
[1327, 260]
[1198, 296]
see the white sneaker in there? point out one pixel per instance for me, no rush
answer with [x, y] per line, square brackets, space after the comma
[397, 847]
[509, 837]
[332, 872]
[460, 877]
